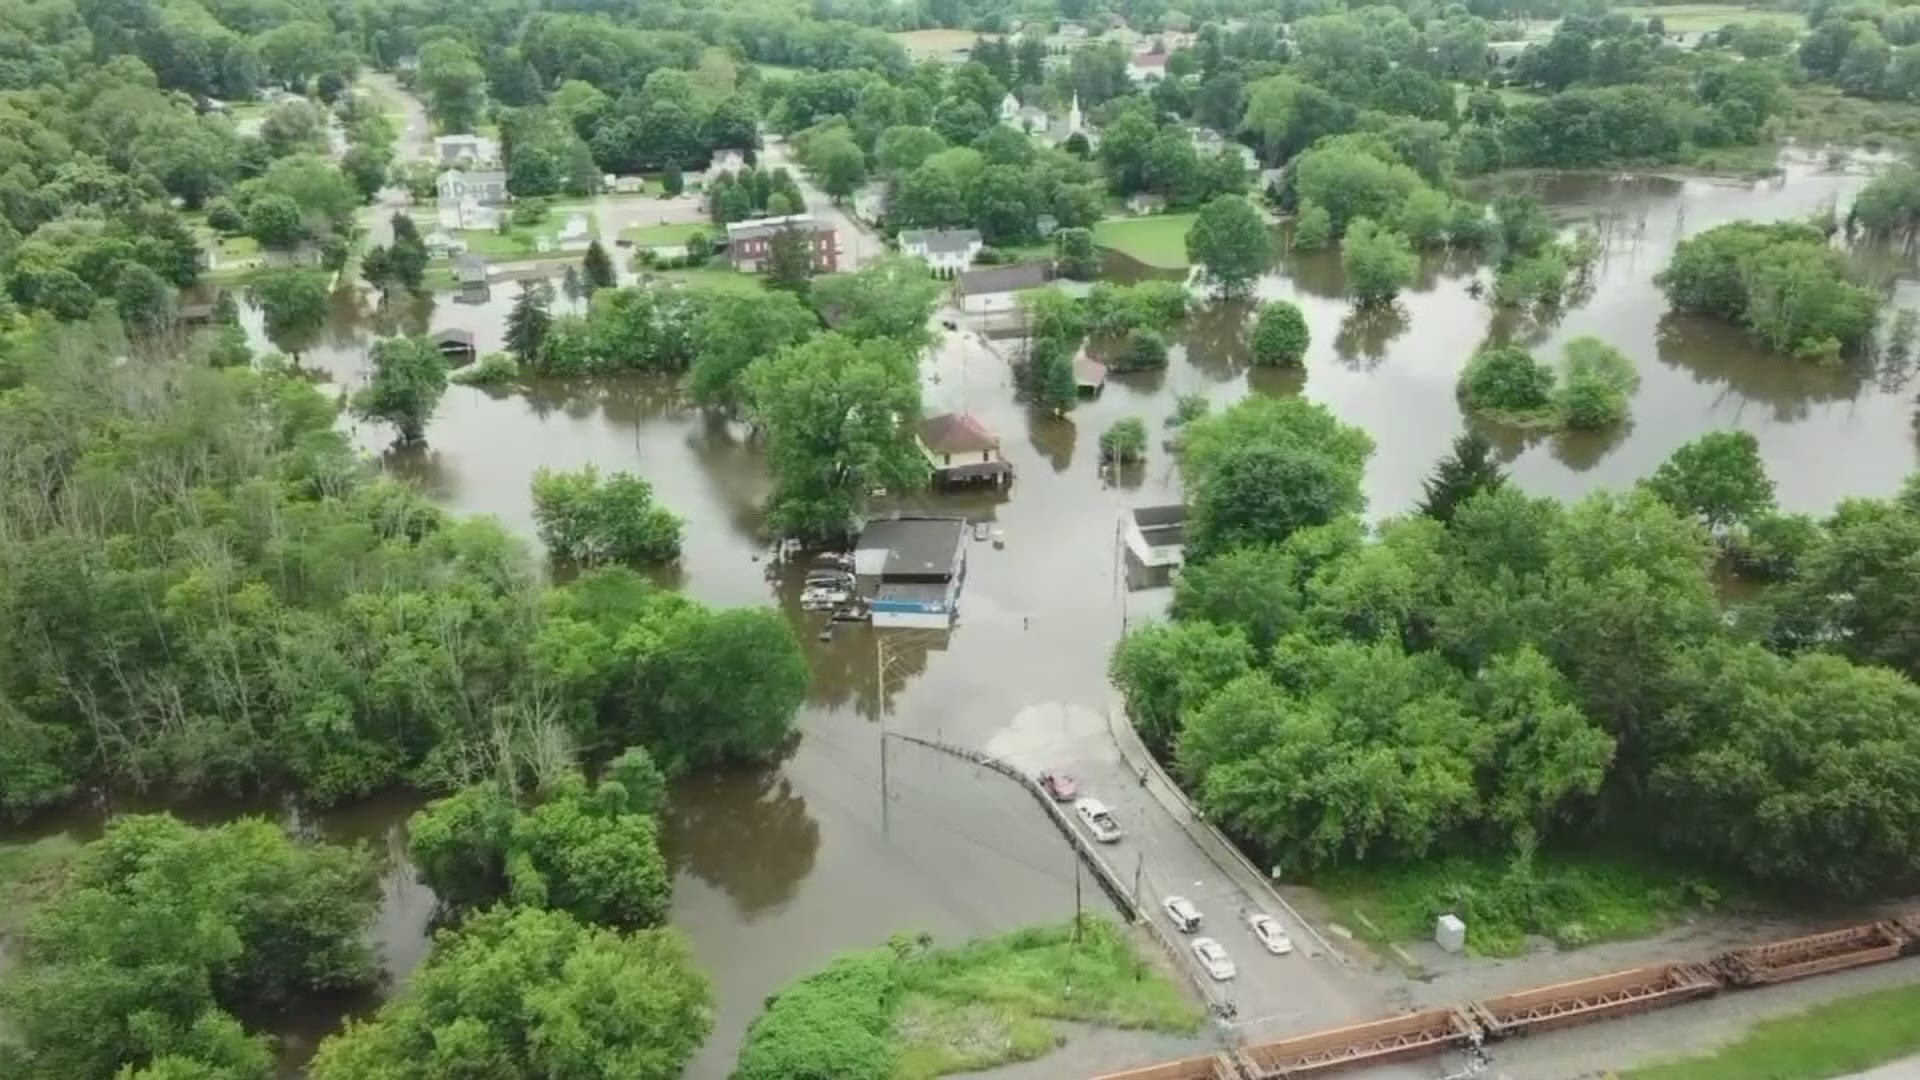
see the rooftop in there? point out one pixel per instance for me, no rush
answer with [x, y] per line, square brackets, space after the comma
[755, 228]
[940, 241]
[957, 433]
[911, 547]
[999, 279]
[453, 336]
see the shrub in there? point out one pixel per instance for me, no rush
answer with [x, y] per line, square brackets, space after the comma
[1280, 334]
[1144, 351]
[1312, 229]
[1506, 382]
[585, 519]
[1595, 384]
[493, 369]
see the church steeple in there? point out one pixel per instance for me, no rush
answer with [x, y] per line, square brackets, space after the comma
[1073, 115]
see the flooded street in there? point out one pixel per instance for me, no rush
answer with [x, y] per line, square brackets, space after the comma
[780, 868]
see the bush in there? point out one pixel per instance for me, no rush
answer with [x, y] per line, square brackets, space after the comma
[1144, 351]
[1379, 262]
[1188, 408]
[1781, 281]
[224, 216]
[1124, 442]
[1312, 229]
[1507, 383]
[587, 520]
[1280, 334]
[493, 369]
[1595, 384]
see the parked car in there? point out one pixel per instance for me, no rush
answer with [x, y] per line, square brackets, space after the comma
[823, 599]
[1182, 913]
[1267, 929]
[1098, 820]
[1213, 956]
[1059, 785]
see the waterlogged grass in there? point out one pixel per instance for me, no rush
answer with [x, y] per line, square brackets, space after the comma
[1822, 116]
[1573, 899]
[1158, 241]
[723, 280]
[912, 1012]
[1835, 1039]
[29, 873]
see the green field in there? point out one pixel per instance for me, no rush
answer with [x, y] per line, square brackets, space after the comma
[670, 234]
[1835, 1039]
[1573, 899]
[1158, 241]
[915, 1012]
[1698, 18]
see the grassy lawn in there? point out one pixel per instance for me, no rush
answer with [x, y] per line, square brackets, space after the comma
[1823, 115]
[1574, 899]
[723, 280]
[920, 1012]
[28, 875]
[523, 241]
[670, 234]
[936, 41]
[1158, 241]
[1835, 1039]
[1697, 18]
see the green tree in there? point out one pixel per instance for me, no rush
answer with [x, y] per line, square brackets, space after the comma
[1230, 243]
[274, 220]
[735, 330]
[1507, 383]
[293, 305]
[1046, 378]
[586, 519]
[1312, 228]
[789, 264]
[893, 298]
[528, 323]
[523, 993]
[161, 929]
[1289, 424]
[596, 268]
[833, 410]
[409, 379]
[1595, 384]
[836, 162]
[144, 299]
[1280, 335]
[453, 84]
[673, 182]
[1074, 255]
[1263, 494]
[1378, 263]
[1167, 670]
[1718, 478]
[1124, 442]
[1464, 473]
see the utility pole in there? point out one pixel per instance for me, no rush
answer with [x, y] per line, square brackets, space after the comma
[1139, 864]
[880, 710]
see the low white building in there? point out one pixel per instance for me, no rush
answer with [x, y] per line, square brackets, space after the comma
[1156, 535]
[726, 162]
[996, 289]
[576, 233]
[485, 187]
[467, 151]
[467, 215]
[946, 251]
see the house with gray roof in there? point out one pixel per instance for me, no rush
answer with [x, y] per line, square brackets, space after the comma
[946, 251]
[997, 288]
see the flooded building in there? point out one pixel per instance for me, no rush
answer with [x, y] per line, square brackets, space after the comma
[962, 450]
[909, 569]
[997, 288]
[1157, 535]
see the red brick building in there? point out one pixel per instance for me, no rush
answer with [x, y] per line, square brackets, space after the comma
[749, 243]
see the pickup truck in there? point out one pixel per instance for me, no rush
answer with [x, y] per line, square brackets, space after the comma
[1098, 820]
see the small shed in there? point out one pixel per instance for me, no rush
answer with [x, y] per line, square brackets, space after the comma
[470, 271]
[455, 345]
[962, 450]
[1157, 535]
[1089, 375]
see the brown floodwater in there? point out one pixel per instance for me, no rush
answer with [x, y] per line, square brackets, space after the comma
[779, 868]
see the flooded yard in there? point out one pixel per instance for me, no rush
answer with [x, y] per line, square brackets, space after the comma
[779, 868]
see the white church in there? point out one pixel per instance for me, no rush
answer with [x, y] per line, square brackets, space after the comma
[1036, 122]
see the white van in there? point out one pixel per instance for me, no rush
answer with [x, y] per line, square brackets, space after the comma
[1098, 820]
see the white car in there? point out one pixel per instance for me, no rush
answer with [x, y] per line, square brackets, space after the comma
[1267, 929]
[1213, 956]
[1098, 820]
[1182, 913]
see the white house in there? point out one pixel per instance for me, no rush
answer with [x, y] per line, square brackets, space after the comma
[443, 245]
[485, 187]
[466, 151]
[1010, 110]
[576, 233]
[946, 251]
[725, 162]
[997, 288]
[468, 215]
[1036, 121]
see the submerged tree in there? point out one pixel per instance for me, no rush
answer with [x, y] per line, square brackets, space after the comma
[293, 305]
[528, 323]
[1229, 242]
[596, 269]
[409, 378]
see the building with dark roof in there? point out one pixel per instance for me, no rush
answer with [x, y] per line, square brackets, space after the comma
[963, 450]
[909, 569]
[997, 288]
[749, 243]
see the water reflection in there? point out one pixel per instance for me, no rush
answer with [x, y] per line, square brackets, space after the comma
[1365, 334]
[744, 831]
[1717, 354]
[1053, 437]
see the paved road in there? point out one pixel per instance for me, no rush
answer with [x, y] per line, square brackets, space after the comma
[858, 244]
[1272, 996]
